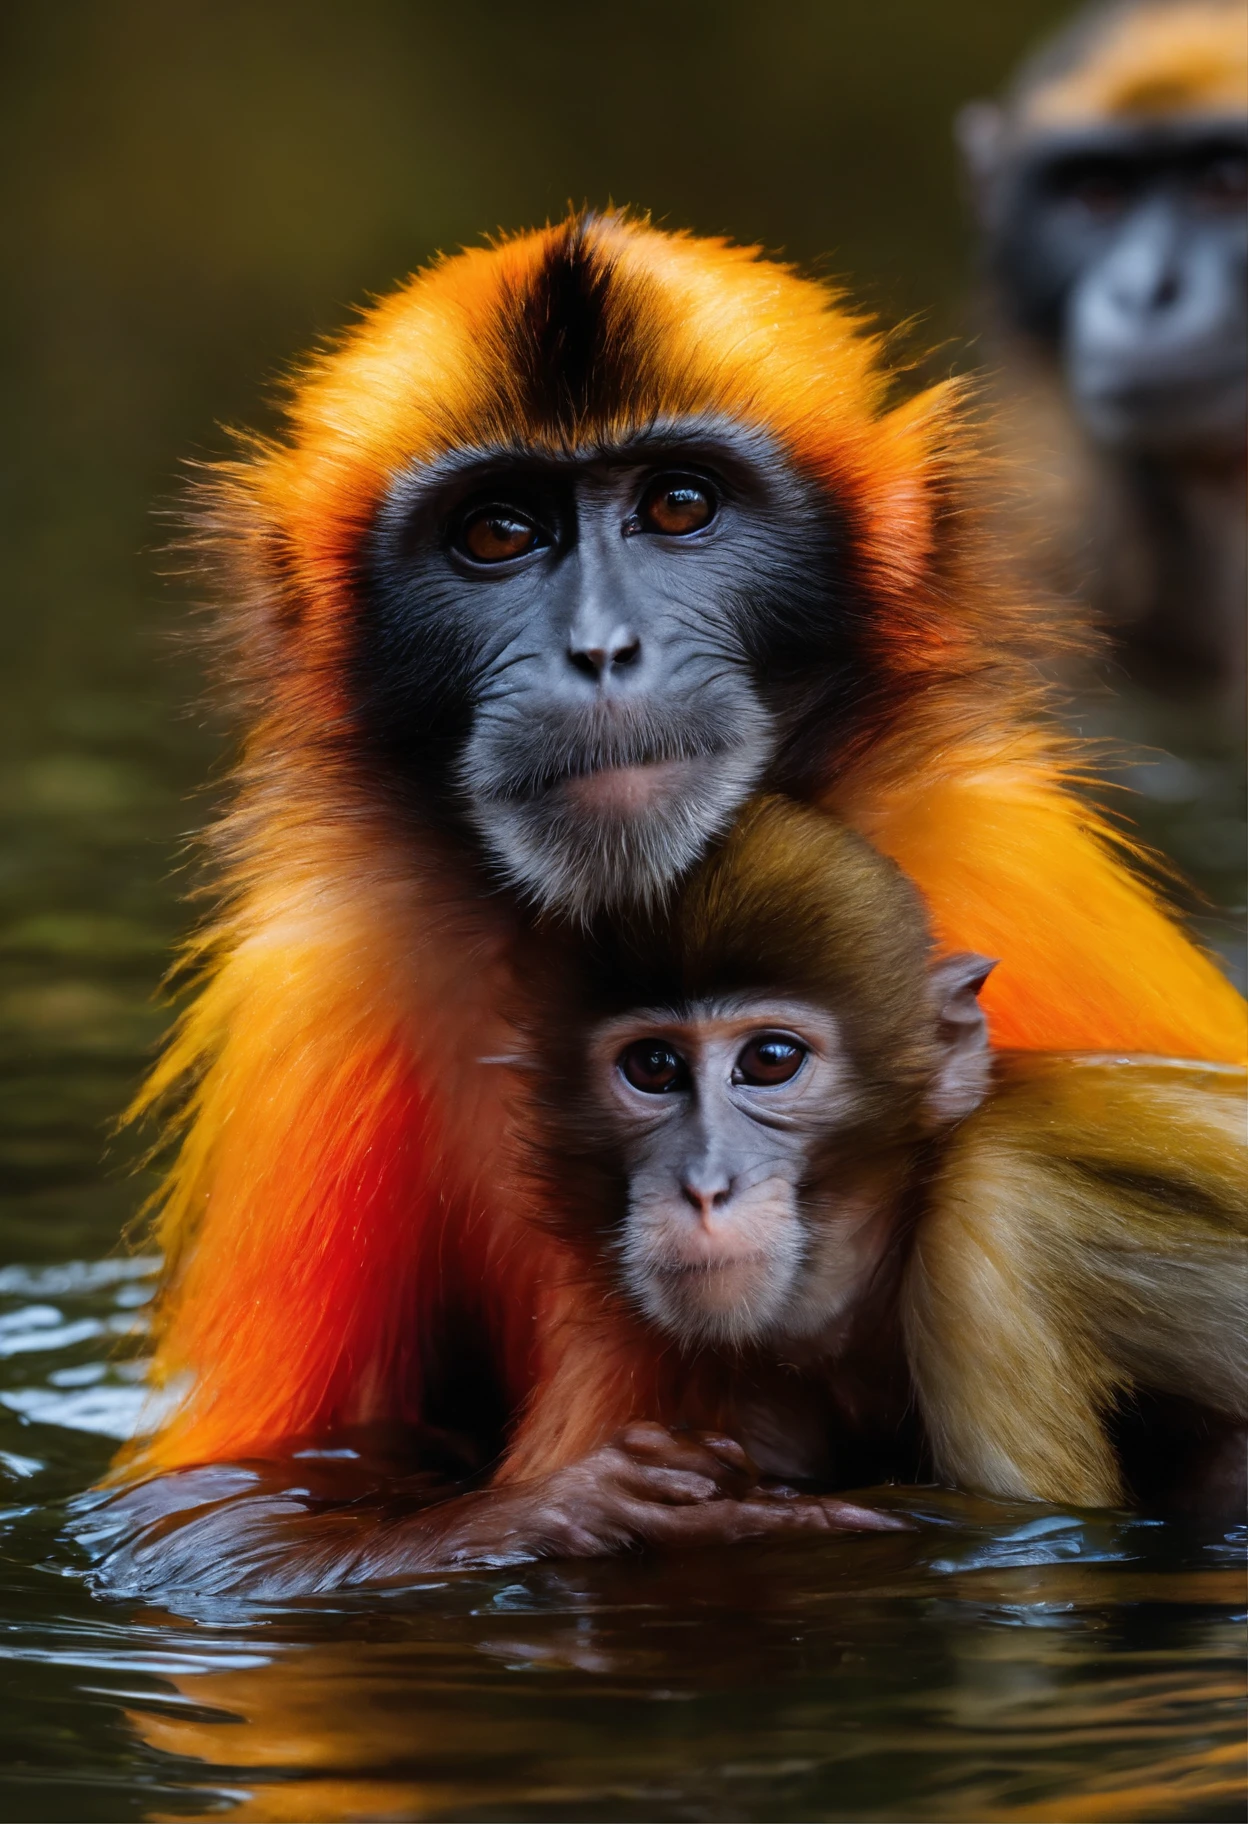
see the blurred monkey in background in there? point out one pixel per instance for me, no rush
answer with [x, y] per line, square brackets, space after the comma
[1110, 187]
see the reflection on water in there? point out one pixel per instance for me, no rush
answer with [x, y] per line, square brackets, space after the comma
[1001, 1662]
[828, 1684]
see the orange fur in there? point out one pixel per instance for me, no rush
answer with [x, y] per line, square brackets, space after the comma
[1156, 60]
[342, 1172]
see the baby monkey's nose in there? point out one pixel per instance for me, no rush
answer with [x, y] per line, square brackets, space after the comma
[706, 1194]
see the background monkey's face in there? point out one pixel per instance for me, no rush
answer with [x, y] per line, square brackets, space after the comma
[572, 649]
[1129, 248]
[1111, 187]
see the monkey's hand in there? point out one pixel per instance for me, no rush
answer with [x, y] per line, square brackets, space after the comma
[648, 1487]
[235, 1529]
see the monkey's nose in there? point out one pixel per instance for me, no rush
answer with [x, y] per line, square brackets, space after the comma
[706, 1196]
[620, 649]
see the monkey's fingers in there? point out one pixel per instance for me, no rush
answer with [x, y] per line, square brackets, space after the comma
[664, 1486]
[706, 1454]
[732, 1522]
[849, 1517]
[729, 1452]
[681, 1477]
[813, 1514]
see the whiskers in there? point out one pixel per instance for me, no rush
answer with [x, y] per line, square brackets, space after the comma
[513, 757]
[577, 857]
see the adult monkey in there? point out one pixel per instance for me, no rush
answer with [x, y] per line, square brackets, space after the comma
[571, 542]
[1111, 186]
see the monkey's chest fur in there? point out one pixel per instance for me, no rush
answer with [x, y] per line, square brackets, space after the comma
[841, 1422]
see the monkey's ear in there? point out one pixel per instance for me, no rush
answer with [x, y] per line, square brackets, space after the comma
[979, 129]
[965, 1062]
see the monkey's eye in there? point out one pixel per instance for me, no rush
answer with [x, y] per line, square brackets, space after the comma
[773, 1057]
[1222, 181]
[495, 535]
[1100, 186]
[652, 1065]
[675, 506]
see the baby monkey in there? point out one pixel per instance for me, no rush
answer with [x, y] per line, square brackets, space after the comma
[776, 1135]
[734, 1120]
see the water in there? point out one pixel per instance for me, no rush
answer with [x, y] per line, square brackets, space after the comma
[1000, 1663]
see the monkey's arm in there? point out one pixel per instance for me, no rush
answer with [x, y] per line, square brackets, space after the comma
[1083, 1247]
[235, 1529]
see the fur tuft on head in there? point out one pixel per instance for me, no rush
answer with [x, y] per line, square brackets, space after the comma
[795, 902]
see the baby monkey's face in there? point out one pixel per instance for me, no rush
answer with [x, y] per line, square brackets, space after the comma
[742, 1225]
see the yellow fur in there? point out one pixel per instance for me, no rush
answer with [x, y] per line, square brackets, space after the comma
[1084, 1237]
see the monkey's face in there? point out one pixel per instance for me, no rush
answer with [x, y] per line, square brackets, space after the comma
[765, 1142]
[1126, 247]
[570, 653]
[727, 1120]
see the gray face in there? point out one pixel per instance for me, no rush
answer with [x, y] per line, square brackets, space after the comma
[718, 1115]
[593, 661]
[757, 1208]
[1128, 247]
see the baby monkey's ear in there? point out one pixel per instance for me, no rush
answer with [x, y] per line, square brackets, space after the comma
[964, 1063]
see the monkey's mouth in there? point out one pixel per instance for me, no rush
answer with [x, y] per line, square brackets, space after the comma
[728, 1292]
[624, 791]
[612, 760]
[690, 1271]
[606, 807]
[621, 781]
[710, 1264]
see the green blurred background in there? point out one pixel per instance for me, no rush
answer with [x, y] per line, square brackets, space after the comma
[194, 193]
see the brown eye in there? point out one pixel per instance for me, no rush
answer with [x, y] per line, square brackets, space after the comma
[1099, 186]
[651, 1065]
[1222, 182]
[771, 1058]
[1102, 195]
[495, 534]
[676, 506]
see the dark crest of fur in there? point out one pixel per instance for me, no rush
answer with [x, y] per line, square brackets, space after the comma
[568, 341]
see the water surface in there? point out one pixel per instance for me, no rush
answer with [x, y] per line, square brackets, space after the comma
[1002, 1662]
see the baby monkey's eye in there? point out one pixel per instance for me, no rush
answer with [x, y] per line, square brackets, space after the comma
[773, 1057]
[495, 535]
[651, 1065]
